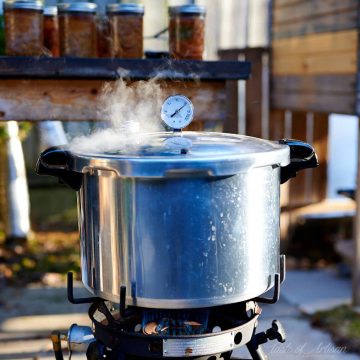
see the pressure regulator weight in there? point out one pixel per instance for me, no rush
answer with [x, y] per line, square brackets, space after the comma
[177, 112]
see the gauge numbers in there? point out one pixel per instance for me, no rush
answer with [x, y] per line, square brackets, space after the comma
[177, 111]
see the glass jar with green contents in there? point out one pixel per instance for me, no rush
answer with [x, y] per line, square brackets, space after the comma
[77, 27]
[23, 28]
[187, 32]
[126, 29]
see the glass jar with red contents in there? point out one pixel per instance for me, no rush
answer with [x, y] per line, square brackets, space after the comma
[187, 32]
[77, 27]
[51, 31]
[126, 29]
[23, 28]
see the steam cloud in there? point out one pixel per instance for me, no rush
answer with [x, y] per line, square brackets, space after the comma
[132, 111]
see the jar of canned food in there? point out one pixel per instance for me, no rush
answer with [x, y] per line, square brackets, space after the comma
[77, 28]
[126, 29]
[51, 30]
[103, 36]
[23, 27]
[187, 32]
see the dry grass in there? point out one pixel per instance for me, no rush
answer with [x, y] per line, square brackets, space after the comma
[344, 325]
[46, 253]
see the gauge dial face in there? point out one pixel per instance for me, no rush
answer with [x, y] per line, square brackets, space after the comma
[177, 111]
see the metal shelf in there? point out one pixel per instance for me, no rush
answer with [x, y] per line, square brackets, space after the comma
[111, 69]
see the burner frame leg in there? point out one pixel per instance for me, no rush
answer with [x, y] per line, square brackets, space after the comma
[276, 332]
[256, 351]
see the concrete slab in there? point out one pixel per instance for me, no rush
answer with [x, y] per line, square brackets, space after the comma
[316, 290]
[27, 316]
[25, 348]
[37, 347]
[40, 324]
[282, 309]
[39, 300]
[303, 342]
[304, 292]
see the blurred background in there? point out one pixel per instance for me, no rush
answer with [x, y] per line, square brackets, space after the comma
[304, 85]
[255, 30]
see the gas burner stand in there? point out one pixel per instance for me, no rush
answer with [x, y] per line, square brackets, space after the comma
[119, 334]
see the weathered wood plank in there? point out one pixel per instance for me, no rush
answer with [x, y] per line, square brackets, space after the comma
[313, 101]
[320, 143]
[277, 131]
[254, 94]
[256, 89]
[311, 8]
[112, 69]
[344, 41]
[328, 53]
[231, 123]
[282, 3]
[310, 185]
[276, 124]
[316, 64]
[234, 53]
[326, 23]
[330, 84]
[357, 94]
[79, 100]
[299, 187]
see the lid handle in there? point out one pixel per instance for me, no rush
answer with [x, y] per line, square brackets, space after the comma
[302, 156]
[55, 162]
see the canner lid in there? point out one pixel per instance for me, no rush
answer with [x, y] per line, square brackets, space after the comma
[183, 153]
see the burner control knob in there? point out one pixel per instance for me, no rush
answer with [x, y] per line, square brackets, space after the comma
[276, 332]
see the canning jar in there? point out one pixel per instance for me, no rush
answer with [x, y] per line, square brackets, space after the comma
[51, 30]
[126, 29]
[23, 28]
[187, 32]
[77, 27]
[103, 36]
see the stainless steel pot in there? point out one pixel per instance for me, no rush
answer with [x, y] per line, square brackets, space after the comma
[182, 220]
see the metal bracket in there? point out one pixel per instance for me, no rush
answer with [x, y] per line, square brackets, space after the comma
[56, 337]
[276, 294]
[282, 268]
[276, 332]
[278, 279]
[70, 292]
[122, 305]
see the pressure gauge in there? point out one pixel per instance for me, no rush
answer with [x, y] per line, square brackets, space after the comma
[177, 111]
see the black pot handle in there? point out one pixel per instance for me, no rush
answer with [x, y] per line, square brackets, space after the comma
[55, 162]
[302, 156]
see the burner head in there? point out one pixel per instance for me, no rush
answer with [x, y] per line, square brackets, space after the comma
[201, 334]
[174, 322]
